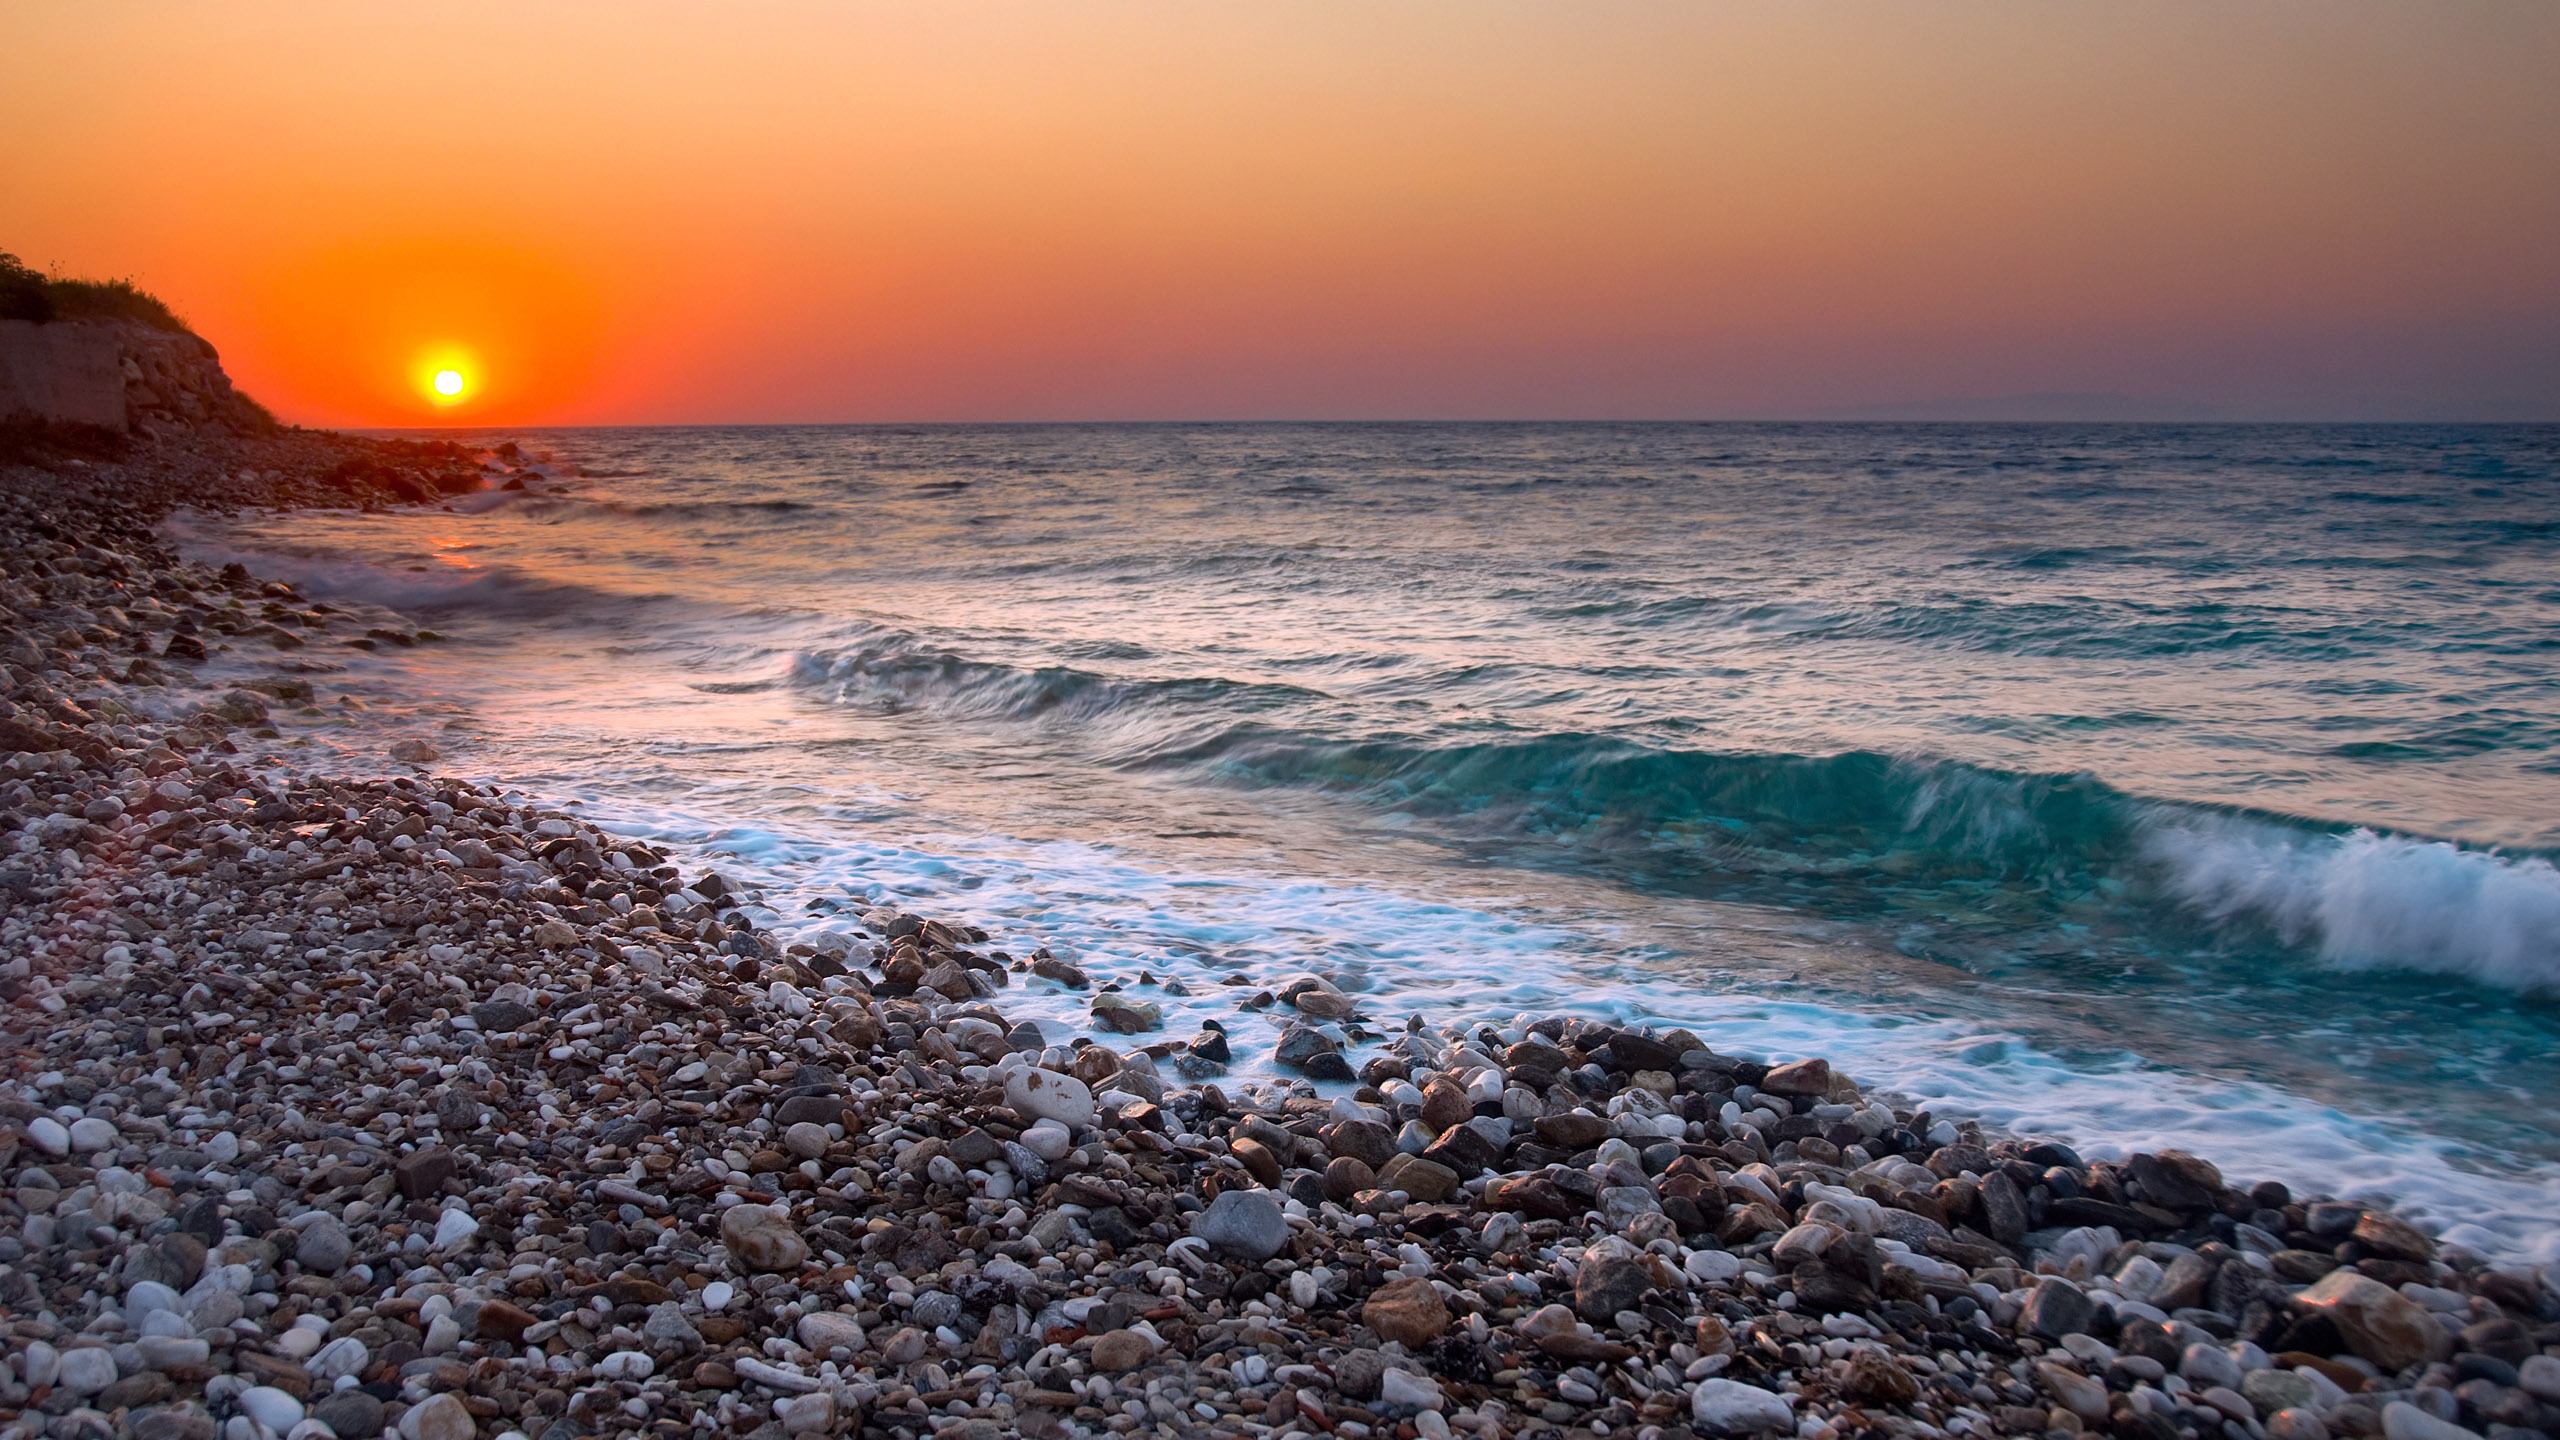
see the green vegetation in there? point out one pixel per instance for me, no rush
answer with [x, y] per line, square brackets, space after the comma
[30, 294]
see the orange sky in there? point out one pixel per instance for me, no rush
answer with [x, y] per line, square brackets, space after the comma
[641, 212]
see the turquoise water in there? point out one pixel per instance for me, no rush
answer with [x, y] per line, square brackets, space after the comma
[2151, 775]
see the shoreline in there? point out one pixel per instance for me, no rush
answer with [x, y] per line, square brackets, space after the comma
[466, 1118]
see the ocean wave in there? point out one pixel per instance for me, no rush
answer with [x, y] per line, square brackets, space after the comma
[1969, 849]
[433, 587]
[2367, 901]
[895, 672]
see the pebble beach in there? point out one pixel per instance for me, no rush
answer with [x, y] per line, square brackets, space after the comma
[390, 1104]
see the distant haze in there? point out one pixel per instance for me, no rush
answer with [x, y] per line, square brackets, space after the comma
[652, 212]
[2050, 406]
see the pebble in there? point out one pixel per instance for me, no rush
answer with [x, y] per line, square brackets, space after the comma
[1729, 1407]
[2077, 1393]
[2404, 1421]
[2296, 1425]
[2206, 1366]
[85, 1370]
[1246, 1223]
[762, 1240]
[1048, 1095]
[1404, 1390]
[271, 1407]
[453, 1227]
[811, 1414]
[626, 1365]
[826, 1330]
[1409, 1312]
[438, 1417]
[343, 1356]
[1115, 1351]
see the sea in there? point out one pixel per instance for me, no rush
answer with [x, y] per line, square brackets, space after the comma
[2142, 786]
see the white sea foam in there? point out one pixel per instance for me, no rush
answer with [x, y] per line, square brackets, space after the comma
[1409, 953]
[2370, 901]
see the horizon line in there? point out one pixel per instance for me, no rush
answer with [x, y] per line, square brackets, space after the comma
[1829, 420]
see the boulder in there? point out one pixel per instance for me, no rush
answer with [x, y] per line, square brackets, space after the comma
[2379, 1323]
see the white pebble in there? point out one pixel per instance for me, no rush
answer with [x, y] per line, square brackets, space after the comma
[453, 1227]
[625, 1365]
[271, 1407]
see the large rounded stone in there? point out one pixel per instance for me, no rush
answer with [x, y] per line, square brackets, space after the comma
[1729, 1407]
[85, 1371]
[762, 1240]
[1366, 1141]
[271, 1407]
[1249, 1223]
[2379, 1323]
[825, 1330]
[1048, 1095]
[324, 1248]
[1445, 1103]
[1607, 1284]
[439, 1417]
[1117, 1350]
[1409, 1311]
[350, 1412]
[1799, 1077]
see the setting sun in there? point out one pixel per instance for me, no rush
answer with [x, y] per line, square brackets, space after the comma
[447, 375]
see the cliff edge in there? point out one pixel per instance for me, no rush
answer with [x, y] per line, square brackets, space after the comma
[103, 353]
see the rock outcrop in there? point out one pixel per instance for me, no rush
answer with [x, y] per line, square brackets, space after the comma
[119, 374]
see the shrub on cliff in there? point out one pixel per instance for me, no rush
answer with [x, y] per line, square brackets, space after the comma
[29, 294]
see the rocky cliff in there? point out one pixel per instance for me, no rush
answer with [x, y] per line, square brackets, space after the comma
[119, 374]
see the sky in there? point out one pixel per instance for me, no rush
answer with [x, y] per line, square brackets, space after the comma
[646, 212]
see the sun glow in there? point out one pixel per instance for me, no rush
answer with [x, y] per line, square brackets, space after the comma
[446, 376]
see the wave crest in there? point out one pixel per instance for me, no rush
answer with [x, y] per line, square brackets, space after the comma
[2020, 861]
[2370, 901]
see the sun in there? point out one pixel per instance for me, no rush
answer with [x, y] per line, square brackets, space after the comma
[447, 375]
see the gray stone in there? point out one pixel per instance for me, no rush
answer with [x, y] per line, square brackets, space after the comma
[497, 1017]
[1249, 1223]
[325, 1248]
[85, 1371]
[1729, 1407]
[2056, 1308]
[271, 1407]
[2206, 1366]
[345, 1355]
[175, 1260]
[667, 1325]
[1607, 1284]
[1357, 1373]
[438, 1417]
[350, 1412]
[2404, 1421]
[174, 1424]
